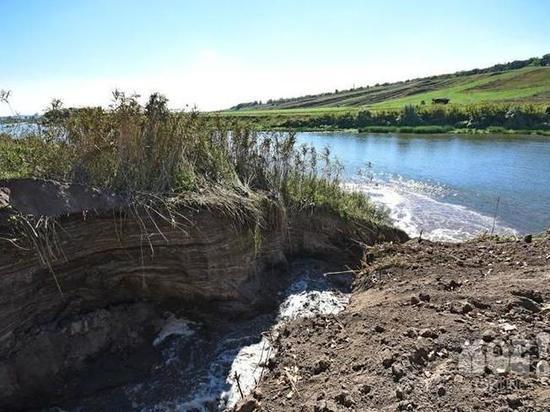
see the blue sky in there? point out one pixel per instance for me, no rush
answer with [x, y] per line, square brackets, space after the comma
[214, 54]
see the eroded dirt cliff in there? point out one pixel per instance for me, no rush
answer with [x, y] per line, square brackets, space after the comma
[84, 273]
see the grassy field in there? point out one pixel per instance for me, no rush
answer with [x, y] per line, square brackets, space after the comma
[515, 100]
[521, 86]
[529, 85]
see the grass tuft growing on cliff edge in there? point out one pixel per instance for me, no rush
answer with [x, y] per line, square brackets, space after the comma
[148, 151]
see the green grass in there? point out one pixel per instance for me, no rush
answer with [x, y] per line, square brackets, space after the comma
[450, 129]
[407, 129]
[286, 112]
[521, 86]
[529, 85]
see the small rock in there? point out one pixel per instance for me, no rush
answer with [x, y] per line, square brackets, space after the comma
[358, 366]
[344, 398]
[405, 406]
[441, 391]
[507, 327]
[528, 304]
[488, 336]
[399, 394]
[365, 388]
[452, 285]
[529, 293]
[379, 329]
[428, 333]
[418, 356]
[320, 366]
[424, 297]
[387, 358]
[514, 401]
[250, 405]
[414, 300]
[325, 406]
[528, 238]
[411, 333]
[466, 308]
[398, 372]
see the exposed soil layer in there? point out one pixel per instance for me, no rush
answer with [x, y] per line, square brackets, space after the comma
[85, 277]
[402, 344]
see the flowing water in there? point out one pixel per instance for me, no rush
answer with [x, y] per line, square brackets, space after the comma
[207, 369]
[449, 187]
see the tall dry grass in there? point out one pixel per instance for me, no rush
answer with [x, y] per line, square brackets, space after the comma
[136, 149]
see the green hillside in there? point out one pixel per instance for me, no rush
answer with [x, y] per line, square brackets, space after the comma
[499, 84]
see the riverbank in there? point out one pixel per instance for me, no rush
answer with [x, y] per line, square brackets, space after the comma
[90, 280]
[115, 224]
[423, 118]
[424, 130]
[431, 326]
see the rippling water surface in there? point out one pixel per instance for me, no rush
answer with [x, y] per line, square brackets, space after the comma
[449, 187]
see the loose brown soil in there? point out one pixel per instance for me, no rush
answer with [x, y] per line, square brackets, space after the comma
[401, 343]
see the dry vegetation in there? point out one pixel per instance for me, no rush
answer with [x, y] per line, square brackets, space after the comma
[146, 150]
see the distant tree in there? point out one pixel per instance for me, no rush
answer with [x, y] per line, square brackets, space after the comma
[409, 116]
[363, 118]
[157, 107]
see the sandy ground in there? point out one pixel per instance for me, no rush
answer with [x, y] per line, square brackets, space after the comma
[431, 327]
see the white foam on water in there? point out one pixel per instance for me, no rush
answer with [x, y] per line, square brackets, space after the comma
[304, 303]
[307, 296]
[174, 327]
[414, 207]
[300, 302]
[246, 371]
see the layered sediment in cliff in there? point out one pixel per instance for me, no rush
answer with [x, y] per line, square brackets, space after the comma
[84, 272]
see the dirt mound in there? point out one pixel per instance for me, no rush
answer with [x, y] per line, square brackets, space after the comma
[48, 198]
[432, 327]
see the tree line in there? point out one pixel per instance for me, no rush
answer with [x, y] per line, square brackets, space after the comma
[474, 116]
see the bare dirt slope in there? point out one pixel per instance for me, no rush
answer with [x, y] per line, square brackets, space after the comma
[431, 327]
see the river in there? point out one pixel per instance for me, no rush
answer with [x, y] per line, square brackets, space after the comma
[450, 187]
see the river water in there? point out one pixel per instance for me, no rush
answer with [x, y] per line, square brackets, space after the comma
[449, 187]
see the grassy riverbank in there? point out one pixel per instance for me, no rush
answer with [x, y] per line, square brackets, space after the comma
[452, 118]
[451, 130]
[139, 150]
[513, 97]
